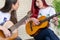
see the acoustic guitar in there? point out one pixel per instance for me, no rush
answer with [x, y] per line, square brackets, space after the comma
[12, 28]
[33, 29]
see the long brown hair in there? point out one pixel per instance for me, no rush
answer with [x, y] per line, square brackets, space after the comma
[13, 17]
[7, 7]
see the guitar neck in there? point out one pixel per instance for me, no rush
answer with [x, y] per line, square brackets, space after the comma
[18, 24]
[50, 17]
[53, 16]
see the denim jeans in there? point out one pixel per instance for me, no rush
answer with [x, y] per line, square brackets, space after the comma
[46, 34]
[18, 38]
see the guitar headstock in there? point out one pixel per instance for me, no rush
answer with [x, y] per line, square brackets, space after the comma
[29, 14]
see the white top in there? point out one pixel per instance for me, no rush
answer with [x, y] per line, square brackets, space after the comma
[49, 11]
[4, 17]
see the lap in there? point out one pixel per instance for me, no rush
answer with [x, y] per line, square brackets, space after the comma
[46, 32]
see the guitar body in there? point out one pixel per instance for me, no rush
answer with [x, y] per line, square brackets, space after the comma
[2, 36]
[36, 28]
[9, 24]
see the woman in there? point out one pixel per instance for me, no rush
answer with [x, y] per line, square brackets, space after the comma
[8, 13]
[40, 8]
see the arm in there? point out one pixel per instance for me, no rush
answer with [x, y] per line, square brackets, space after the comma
[54, 19]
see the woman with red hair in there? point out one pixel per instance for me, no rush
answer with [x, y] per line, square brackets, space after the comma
[40, 8]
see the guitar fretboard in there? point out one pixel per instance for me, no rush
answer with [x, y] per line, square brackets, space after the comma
[47, 19]
[18, 24]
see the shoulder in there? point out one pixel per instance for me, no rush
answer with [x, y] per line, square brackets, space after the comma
[51, 8]
[5, 14]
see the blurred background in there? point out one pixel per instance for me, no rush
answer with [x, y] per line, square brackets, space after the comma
[24, 7]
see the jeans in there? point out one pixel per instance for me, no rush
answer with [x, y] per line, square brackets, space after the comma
[18, 38]
[46, 34]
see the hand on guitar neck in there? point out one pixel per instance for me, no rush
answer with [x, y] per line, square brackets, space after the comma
[55, 21]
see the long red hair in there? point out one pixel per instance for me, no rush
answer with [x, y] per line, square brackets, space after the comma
[35, 9]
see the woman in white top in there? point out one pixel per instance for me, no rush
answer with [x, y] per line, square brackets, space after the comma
[40, 8]
[8, 13]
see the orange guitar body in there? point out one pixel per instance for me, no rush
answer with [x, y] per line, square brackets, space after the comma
[2, 37]
[36, 28]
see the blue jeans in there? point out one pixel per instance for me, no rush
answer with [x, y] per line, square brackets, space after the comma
[18, 38]
[46, 34]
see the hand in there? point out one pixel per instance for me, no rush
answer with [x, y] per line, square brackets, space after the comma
[6, 32]
[36, 21]
[55, 18]
[56, 21]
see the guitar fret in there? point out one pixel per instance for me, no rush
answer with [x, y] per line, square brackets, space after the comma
[18, 24]
[47, 19]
